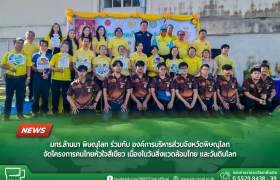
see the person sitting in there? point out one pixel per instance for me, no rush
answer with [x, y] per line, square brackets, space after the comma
[173, 62]
[265, 62]
[211, 62]
[84, 106]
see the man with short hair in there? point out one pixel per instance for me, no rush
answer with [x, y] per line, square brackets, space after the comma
[182, 45]
[42, 79]
[142, 36]
[140, 94]
[202, 44]
[207, 95]
[84, 106]
[170, 31]
[116, 93]
[16, 78]
[163, 42]
[227, 93]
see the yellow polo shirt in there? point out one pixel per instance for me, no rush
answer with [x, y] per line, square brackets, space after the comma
[84, 54]
[174, 38]
[222, 60]
[183, 47]
[74, 47]
[136, 57]
[124, 71]
[102, 65]
[163, 46]
[169, 62]
[200, 46]
[67, 72]
[193, 64]
[99, 43]
[47, 38]
[21, 68]
[31, 48]
[152, 66]
[81, 44]
[114, 44]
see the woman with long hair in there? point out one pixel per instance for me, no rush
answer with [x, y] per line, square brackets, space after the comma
[173, 62]
[138, 56]
[55, 29]
[86, 33]
[99, 39]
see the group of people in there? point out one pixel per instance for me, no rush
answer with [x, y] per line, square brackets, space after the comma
[164, 76]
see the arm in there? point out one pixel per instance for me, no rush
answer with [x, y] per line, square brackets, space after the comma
[110, 53]
[214, 72]
[124, 106]
[195, 94]
[95, 74]
[181, 98]
[150, 70]
[225, 104]
[203, 106]
[196, 72]
[238, 104]
[56, 70]
[106, 105]
[74, 66]
[133, 65]
[168, 71]
[273, 93]
[233, 71]
[170, 104]
[94, 48]
[28, 75]
[139, 105]
[127, 53]
[153, 91]
[133, 44]
[4, 66]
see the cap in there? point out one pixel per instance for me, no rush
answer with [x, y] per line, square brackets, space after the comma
[163, 27]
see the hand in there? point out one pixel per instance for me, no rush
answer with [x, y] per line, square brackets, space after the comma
[161, 107]
[262, 102]
[156, 71]
[41, 70]
[144, 106]
[124, 107]
[204, 107]
[269, 99]
[225, 105]
[187, 104]
[13, 69]
[101, 78]
[46, 76]
[192, 105]
[215, 107]
[27, 82]
[239, 105]
[139, 106]
[75, 110]
[170, 105]
[93, 106]
[107, 108]
[61, 70]
[51, 48]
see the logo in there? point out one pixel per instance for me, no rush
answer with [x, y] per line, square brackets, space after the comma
[175, 178]
[107, 22]
[131, 23]
[153, 24]
[34, 130]
[110, 178]
[225, 176]
[119, 22]
[14, 173]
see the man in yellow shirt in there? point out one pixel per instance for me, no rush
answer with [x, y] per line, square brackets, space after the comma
[84, 56]
[201, 44]
[223, 59]
[18, 64]
[170, 31]
[31, 48]
[182, 45]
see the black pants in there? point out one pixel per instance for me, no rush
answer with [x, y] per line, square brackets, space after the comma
[136, 114]
[56, 50]
[99, 82]
[73, 74]
[184, 112]
[252, 104]
[165, 57]
[41, 86]
[171, 113]
[56, 86]
[84, 115]
[210, 110]
[13, 84]
[275, 103]
[30, 86]
[233, 109]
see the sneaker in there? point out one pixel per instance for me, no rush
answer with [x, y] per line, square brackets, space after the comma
[99, 113]
[257, 115]
[33, 116]
[21, 117]
[5, 118]
[269, 114]
[54, 114]
[44, 115]
[221, 110]
[67, 114]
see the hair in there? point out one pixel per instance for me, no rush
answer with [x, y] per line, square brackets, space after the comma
[102, 46]
[183, 64]
[97, 34]
[152, 47]
[30, 32]
[117, 30]
[140, 42]
[226, 67]
[140, 63]
[82, 67]
[180, 31]
[117, 62]
[202, 30]
[170, 53]
[18, 39]
[43, 41]
[205, 65]
[206, 50]
[161, 64]
[83, 34]
[121, 46]
[170, 25]
[64, 42]
[264, 65]
[85, 38]
[144, 22]
[191, 48]
[68, 38]
[52, 31]
[264, 61]
[225, 46]
[255, 69]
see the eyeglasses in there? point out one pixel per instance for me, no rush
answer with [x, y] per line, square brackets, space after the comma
[164, 69]
[184, 68]
[181, 34]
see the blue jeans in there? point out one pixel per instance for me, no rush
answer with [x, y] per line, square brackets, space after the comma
[107, 116]
[13, 84]
[84, 115]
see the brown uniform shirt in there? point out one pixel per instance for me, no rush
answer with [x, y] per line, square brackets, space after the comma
[116, 88]
[228, 89]
[206, 87]
[165, 84]
[140, 86]
[269, 84]
[254, 89]
[185, 86]
[83, 92]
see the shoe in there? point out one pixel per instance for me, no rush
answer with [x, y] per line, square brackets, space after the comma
[54, 114]
[66, 114]
[257, 115]
[221, 110]
[269, 114]
[30, 100]
[33, 116]
[99, 113]
[5, 118]
[44, 115]
[21, 117]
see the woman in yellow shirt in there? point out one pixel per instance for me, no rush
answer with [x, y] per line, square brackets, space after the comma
[138, 56]
[173, 62]
[86, 33]
[115, 42]
[99, 39]
[194, 63]
[101, 69]
[153, 61]
[126, 62]
[55, 29]
[61, 78]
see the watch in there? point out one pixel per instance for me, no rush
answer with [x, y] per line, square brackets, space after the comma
[271, 98]
[238, 101]
[94, 102]
[28, 77]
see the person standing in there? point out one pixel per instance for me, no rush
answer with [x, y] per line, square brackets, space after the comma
[138, 56]
[193, 62]
[170, 31]
[173, 62]
[115, 42]
[86, 33]
[182, 44]
[202, 44]
[17, 77]
[153, 61]
[126, 70]
[99, 39]
[142, 36]
[212, 64]
[55, 29]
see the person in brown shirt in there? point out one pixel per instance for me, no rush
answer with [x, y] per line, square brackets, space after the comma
[163, 92]
[186, 92]
[116, 93]
[141, 93]
[207, 95]
[270, 89]
[254, 95]
[84, 106]
[228, 95]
